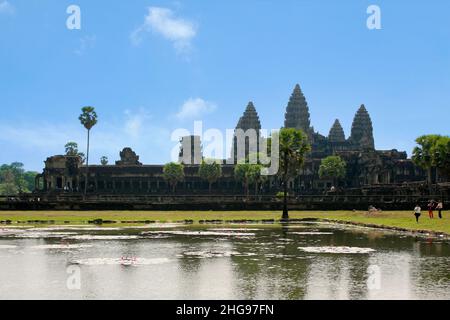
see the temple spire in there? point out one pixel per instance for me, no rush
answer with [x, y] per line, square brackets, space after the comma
[336, 133]
[362, 130]
[297, 112]
[250, 119]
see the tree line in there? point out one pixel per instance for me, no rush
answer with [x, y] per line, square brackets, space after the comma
[14, 179]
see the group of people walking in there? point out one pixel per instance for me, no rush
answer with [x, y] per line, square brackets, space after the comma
[432, 206]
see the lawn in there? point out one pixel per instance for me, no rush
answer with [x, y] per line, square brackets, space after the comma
[400, 219]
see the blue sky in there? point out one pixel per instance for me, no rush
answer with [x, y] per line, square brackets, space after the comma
[150, 67]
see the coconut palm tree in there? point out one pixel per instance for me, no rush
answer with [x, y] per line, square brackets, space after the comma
[88, 118]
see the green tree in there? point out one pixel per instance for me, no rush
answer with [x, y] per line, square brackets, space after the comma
[71, 149]
[441, 155]
[424, 154]
[104, 160]
[30, 179]
[14, 179]
[14, 174]
[333, 167]
[210, 170]
[241, 174]
[248, 174]
[293, 147]
[88, 118]
[7, 181]
[173, 173]
[259, 160]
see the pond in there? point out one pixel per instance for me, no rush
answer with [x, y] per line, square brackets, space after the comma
[256, 261]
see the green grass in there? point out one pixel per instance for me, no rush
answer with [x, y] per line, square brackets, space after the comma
[400, 219]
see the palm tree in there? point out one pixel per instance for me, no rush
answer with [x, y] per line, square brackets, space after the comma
[293, 146]
[173, 173]
[210, 170]
[242, 172]
[88, 119]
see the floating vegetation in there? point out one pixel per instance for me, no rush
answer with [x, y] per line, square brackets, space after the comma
[62, 246]
[78, 228]
[345, 250]
[102, 237]
[126, 261]
[312, 233]
[210, 254]
[202, 233]
[43, 235]
[233, 229]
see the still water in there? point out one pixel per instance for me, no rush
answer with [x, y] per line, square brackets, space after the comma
[171, 261]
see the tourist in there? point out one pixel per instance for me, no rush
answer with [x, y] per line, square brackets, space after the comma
[417, 212]
[440, 207]
[430, 209]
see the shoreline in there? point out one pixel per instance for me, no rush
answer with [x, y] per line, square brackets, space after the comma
[400, 221]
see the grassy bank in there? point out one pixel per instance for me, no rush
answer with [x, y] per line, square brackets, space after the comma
[398, 219]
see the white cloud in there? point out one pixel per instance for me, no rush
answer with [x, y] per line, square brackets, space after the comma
[134, 122]
[162, 21]
[192, 108]
[6, 7]
[32, 142]
[86, 43]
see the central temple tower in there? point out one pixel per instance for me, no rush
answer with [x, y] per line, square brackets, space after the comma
[297, 112]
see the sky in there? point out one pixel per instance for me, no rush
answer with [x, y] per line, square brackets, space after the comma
[151, 67]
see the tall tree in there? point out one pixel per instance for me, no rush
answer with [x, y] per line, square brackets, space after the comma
[88, 118]
[333, 167]
[14, 179]
[441, 156]
[210, 170]
[173, 173]
[71, 149]
[424, 154]
[293, 147]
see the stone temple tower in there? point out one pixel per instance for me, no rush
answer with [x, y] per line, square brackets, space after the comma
[336, 134]
[362, 131]
[249, 120]
[297, 112]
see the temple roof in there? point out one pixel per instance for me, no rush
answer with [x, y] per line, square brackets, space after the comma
[250, 119]
[362, 130]
[297, 112]
[336, 133]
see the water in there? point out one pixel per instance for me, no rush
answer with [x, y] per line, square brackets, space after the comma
[300, 261]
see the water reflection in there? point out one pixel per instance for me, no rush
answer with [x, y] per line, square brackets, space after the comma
[223, 263]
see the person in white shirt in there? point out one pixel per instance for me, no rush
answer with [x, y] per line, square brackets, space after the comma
[439, 208]
[417, 212]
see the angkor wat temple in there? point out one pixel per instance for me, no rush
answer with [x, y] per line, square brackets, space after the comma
[368, 169]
